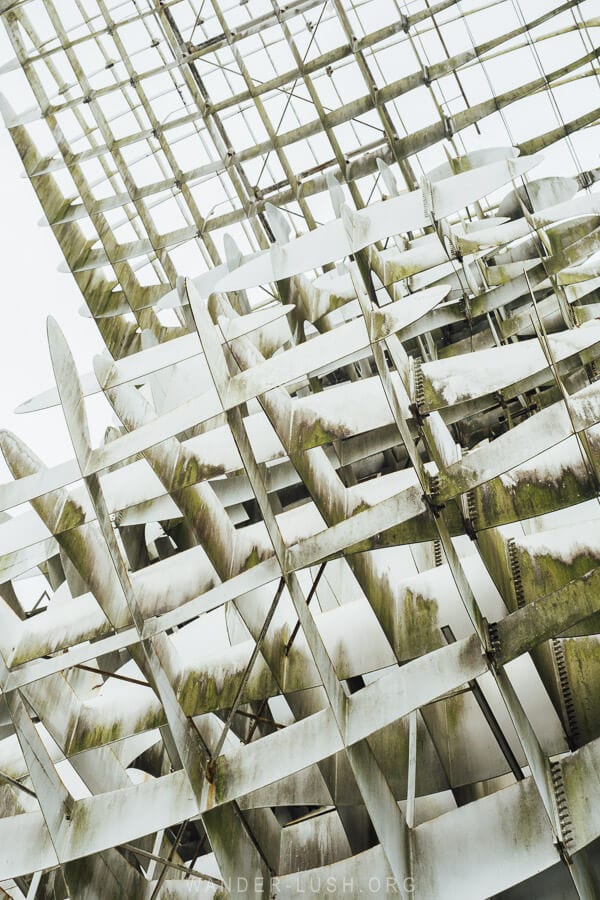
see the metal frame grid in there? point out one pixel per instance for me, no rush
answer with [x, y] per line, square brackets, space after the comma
[319, 614]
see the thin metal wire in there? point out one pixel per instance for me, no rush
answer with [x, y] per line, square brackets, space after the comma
[248, 670]
[278, 126]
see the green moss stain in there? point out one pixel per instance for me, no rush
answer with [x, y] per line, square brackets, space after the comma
[417, 630]
[497, 503]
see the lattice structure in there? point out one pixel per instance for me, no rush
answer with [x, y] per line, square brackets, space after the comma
[321, 612]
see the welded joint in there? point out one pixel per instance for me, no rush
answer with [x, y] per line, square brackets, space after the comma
[515, 572]
[566, 832]
[431, 497]
[585, 179]
[417, 391]
[418, 414]
[568, 701]
[469, 526]
[492, 645]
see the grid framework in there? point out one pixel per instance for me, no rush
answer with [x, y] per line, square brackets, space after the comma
[319, 612]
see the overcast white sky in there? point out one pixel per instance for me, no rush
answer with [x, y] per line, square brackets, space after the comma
[32, 289]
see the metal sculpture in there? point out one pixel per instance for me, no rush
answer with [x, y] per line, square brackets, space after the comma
[322, 608]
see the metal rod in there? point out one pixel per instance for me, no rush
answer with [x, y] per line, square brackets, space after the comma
[248, 670]
[111, 675]
[288, 646]
[490, 717]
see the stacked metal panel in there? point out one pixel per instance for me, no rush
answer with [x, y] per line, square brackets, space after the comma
[321, 612]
